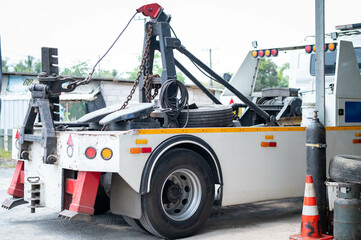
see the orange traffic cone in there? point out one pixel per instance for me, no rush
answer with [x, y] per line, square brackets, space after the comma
[310, 226]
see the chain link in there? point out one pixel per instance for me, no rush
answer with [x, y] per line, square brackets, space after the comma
[145, 59]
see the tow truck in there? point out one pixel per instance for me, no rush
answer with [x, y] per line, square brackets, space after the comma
[164, 164]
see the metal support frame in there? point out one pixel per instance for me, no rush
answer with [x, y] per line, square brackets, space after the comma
[165, 45]
[45, 102]
[269, 119]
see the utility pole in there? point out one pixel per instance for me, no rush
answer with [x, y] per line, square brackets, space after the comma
[210, 63]
[320, 59]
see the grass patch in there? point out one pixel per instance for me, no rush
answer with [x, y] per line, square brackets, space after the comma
[6, 160]
[4, 154]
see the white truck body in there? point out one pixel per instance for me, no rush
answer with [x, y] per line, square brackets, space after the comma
[248, 163]
[250, 172]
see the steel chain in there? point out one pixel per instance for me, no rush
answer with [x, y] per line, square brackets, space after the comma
[141, 67]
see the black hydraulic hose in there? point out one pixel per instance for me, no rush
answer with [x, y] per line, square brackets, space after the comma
[196, 82]
[220, 80]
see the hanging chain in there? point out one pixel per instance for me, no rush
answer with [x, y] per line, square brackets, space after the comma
[148, 86]
[145, 59]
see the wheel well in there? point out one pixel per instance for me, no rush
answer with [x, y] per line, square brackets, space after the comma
[206, 155]
[190, 142]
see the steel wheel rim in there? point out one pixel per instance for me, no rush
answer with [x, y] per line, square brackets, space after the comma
[181, 194]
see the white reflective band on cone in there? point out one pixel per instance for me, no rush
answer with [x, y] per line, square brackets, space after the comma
[310, 210]
[309, 190]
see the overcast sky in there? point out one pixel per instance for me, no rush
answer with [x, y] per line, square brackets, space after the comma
[82, 30]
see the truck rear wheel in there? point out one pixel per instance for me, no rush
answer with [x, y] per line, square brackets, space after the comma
[181, 195]
[135, 223]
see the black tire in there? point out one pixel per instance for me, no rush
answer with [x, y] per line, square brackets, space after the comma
[181, 195]
[136, 224]
[345, 168]
[207, 116]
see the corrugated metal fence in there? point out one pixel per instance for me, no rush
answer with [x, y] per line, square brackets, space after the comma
[12, 116]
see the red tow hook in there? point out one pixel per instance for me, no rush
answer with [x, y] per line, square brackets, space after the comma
[150, 10]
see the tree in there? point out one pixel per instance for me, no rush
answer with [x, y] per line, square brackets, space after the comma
[157, 69]
[30, 65]
[4, 64]
[268, 76]
[80, 69]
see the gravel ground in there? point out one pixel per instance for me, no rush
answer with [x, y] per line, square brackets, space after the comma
[263, 220]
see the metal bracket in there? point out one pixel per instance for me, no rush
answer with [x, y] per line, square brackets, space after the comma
[316, 145]
[71, 215]
[45, 102]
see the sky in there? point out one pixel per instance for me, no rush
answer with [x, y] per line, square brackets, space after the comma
[83, 30]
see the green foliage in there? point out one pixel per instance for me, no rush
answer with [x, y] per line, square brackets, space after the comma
[157, 69]
[4, 63]
[80, 69]
[30, 65]
[270, 76]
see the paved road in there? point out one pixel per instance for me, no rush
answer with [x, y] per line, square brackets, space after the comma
[264, 220]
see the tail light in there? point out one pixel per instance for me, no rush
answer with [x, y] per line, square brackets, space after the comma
[267, 53]
[90, 152]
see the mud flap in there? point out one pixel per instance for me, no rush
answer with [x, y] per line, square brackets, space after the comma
[10, 203]
[71, 215]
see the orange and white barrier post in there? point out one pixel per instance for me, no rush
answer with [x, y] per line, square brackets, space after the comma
[310, 226]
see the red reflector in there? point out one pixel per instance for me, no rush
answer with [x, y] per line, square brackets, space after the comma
[272, 144]
[147, 150]
[70, 141]
[17, 134]
[308, 49]
[90, 152]
[356, 141]
[260, 53]
[274, 52]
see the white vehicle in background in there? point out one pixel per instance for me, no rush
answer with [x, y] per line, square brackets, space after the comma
[301, 72]
[163, 179]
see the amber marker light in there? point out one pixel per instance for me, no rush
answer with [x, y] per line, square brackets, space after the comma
[267, 53]
[331, 46]
[107, 153]
[134, 150]
[254, 54]
[141, 141]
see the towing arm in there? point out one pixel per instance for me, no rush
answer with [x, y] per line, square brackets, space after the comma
[166, 44]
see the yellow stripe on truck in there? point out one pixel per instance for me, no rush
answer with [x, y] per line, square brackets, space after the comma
[232, 130]
[218, 130]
